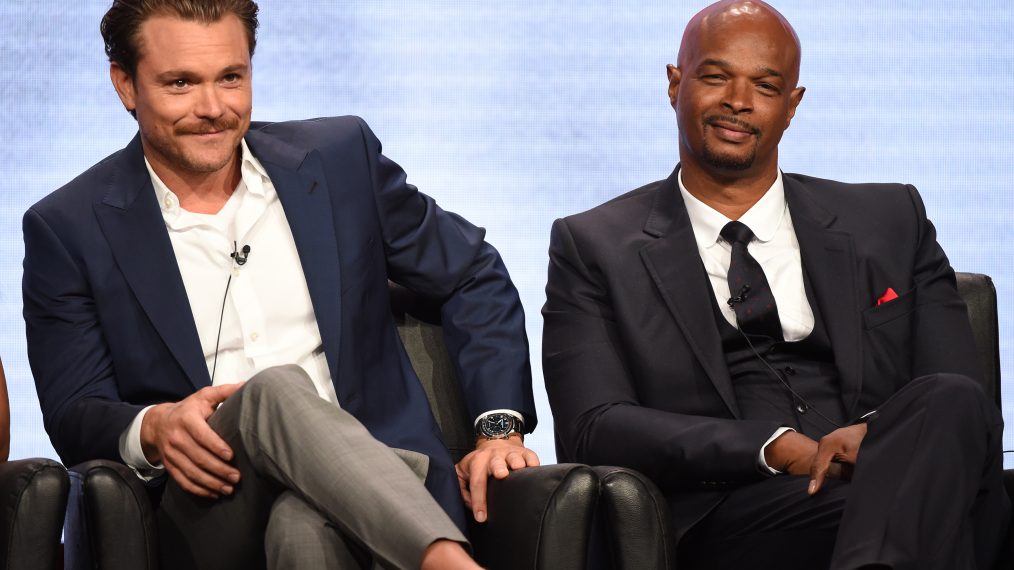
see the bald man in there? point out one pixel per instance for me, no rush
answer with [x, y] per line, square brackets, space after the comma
[787, 357]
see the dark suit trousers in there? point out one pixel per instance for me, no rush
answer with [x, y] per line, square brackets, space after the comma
[927, 494]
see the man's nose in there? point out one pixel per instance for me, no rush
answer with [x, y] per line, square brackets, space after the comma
[738, 96]
[209, 102]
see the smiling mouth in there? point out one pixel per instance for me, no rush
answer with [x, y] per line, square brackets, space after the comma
[732, 130]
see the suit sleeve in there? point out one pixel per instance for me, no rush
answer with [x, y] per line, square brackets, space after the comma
[441, 255]
[942, 339]
[68, 354]
[592, 391]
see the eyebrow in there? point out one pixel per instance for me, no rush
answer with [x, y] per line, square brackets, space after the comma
[175, 73]
[766, 71]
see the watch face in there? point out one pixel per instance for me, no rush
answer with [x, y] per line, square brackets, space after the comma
[496, 425]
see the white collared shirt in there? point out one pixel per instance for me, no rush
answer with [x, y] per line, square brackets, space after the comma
[267, 318]
[775, 248]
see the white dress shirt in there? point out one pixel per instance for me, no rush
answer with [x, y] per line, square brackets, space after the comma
[776, 250]
[267, 319]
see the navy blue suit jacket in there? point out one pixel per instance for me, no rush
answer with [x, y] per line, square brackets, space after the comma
[110, 328]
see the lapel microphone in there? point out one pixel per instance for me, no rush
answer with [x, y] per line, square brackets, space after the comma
[738, 298]
[239, 255]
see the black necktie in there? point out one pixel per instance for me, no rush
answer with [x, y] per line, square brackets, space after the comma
[751, 298]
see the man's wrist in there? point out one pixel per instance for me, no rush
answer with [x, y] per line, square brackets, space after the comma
[131, 451]
[499, 424]
[761, 457]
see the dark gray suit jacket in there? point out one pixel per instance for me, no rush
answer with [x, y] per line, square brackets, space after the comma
[633, 361]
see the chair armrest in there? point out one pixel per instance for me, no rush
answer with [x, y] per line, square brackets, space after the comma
[539, 517]
[32, 504]
[110, 519]
[636, 521]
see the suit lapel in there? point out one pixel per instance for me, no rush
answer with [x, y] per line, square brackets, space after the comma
[132, 223]
[674, 263]
[829, 261]
[299, 180]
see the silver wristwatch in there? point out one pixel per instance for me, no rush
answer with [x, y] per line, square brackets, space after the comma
[499, 425]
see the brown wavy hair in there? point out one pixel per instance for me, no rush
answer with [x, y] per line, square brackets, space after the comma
[122, 23]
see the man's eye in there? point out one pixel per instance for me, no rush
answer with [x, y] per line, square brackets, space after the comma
[180, 83]
[231, 78]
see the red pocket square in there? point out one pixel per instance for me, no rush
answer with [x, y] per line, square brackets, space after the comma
[888, 295]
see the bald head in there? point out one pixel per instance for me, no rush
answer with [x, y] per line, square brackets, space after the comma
[741, 17]
[735, 90]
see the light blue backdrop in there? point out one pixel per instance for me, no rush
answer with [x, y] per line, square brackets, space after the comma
[515, 113]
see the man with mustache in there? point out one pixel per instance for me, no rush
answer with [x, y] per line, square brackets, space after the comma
[787, 357]
[211, 251]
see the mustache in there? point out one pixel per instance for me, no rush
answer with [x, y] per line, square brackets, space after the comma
[206, 127]
[732, 120]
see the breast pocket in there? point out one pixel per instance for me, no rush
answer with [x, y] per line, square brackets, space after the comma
[887, 334]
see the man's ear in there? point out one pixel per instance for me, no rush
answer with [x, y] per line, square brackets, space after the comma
[124, 85]
[674, 74]
[794, 99]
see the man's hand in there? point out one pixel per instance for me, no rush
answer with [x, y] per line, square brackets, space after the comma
[840, 447]
[496, 457]
[179, 436]
[792, 453]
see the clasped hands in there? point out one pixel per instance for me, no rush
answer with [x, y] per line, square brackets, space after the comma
[833, 457]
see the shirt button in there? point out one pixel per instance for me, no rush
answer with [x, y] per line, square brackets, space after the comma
[168, 202]
[254, 337]
[235, 271]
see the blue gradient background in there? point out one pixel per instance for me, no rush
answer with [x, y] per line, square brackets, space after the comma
[516, 113]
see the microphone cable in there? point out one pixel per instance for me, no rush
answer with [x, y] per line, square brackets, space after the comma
[239, 257]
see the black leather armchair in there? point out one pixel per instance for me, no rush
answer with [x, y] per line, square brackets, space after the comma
[33, 497]
[539, 518]
[636, 517]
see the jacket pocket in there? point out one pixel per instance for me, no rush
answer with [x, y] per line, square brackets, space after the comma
[874, 317]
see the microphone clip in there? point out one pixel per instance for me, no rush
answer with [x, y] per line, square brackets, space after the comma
[240, 255]
[739, 297]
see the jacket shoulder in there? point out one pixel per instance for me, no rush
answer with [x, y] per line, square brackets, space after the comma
[320, 132]
[84, 190]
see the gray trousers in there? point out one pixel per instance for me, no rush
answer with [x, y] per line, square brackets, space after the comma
[317, 490]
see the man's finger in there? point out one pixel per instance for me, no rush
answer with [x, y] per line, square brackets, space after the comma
[207, 438]
[215, 395]
[211, 464]
[463, 485]
[192, 478]
[818, 469]
[498, 467]
[477, 486]
[516, 460]
[531, 458]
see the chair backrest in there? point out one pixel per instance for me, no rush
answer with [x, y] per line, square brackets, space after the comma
[418, 321]
[979, 295]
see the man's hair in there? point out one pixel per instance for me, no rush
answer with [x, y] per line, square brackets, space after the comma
[122, 23]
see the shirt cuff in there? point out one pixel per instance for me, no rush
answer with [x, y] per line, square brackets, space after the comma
[760, 458]
[511, 412]
[133, 455]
